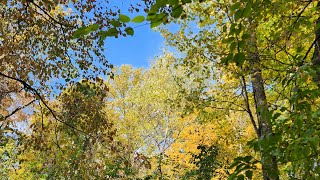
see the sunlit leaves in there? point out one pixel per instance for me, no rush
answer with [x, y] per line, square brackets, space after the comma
[231, 38]
[138, 19]
[124, 18]
[155, 24]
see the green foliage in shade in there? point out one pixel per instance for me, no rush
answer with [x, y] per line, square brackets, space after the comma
[186, 1]
[173, 2]
[109, 33]
[247, 10]
[205, 162]
[129, 31]
[115, 23]
[239, 58]
[85, 30]
[243, 164]
[177, 11]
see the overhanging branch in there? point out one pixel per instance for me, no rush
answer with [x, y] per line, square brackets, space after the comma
[38, 96]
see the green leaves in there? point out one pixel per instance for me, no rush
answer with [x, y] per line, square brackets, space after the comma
[317, 26]
[245, 36]
[92, 27]
[156, 16]
[249, 174]
[238, 15]
[156, 19]
[129, 31]
[115, 30]
[241, 12]
[177, 11]
[115, 23]
[85, 30]
[124, 18]
[235, 6]
[247, 10]
[173, 2]
[155, 24]
[239, 58]
[186, 1]
[138, 19]
[243, 164]
[161, 3]
[109, 33]
[206, 162]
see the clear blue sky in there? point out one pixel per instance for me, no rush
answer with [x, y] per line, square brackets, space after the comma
[138, 50]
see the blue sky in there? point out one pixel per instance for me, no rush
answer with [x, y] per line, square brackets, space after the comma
[138, 50]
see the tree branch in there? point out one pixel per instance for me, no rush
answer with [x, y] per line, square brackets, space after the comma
[19, 108]
[298, 17]
[37, 94]
[53, 19]
[246, 100]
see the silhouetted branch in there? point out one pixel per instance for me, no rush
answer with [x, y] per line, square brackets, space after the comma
[19, 108]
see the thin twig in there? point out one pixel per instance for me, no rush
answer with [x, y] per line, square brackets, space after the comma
[307, 53]
[53, 19]
[18, 109]
[298, 17]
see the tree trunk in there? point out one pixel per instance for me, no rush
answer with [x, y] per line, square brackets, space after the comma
[269, 162]
[316, 52]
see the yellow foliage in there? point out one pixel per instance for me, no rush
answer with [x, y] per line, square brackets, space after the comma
[229, 134]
